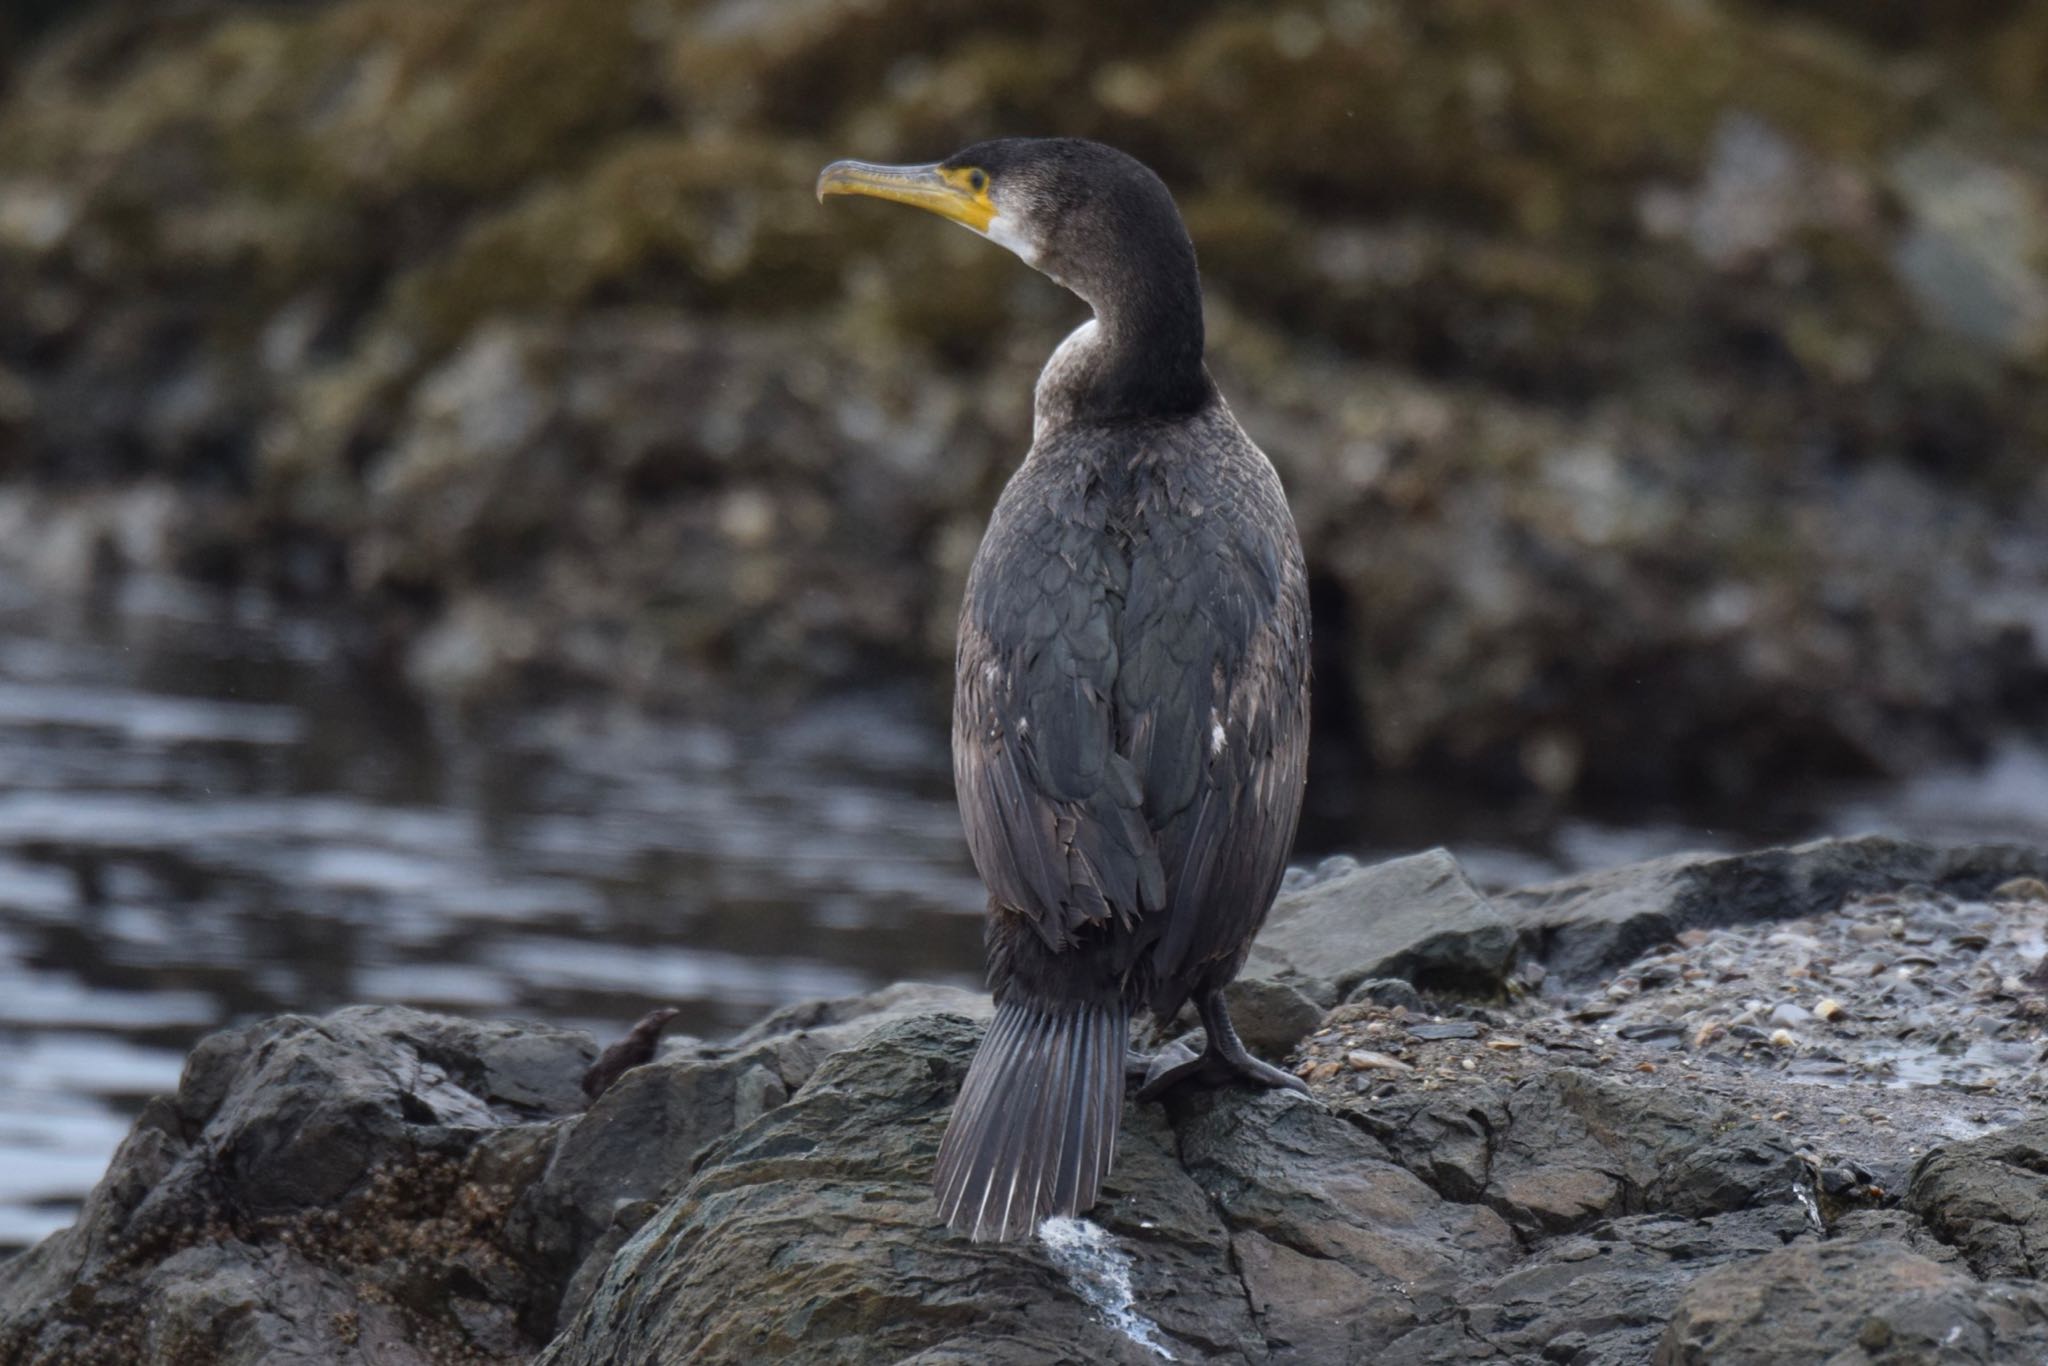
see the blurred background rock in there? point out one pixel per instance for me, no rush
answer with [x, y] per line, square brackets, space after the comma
[1658, 385]
[475, 533]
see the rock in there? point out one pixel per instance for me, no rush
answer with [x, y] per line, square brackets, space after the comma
[1418, 918]
[1237, 1226]
[607, 1173]
[1575, 1148]
[1585, 925]
[1988, 1198]
[1600, 1296]
[1972, 256]
[836, 1022]
[1866, 1301]
[836, 1256]
[1271, 1016]
[615, 402]
[1387, 991]
[384, 1185]
[317, 1190]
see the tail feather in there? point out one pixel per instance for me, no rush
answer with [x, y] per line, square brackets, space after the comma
[1034, 1130]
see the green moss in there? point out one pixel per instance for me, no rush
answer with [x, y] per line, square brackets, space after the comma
[669, 220]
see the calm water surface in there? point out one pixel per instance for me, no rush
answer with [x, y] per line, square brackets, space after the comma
[206, 815]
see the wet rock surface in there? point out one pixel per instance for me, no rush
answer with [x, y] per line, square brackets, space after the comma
[1771, 1139]
[1658, 386]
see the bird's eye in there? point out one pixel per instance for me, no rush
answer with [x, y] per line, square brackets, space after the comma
[978, 179]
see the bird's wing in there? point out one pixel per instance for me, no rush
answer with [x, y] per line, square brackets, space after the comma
[1054, 813]
[1214, 694]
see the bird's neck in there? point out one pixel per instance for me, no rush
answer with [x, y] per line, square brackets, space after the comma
[1139, 357]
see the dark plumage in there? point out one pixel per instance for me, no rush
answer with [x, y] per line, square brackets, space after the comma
[1130, 716]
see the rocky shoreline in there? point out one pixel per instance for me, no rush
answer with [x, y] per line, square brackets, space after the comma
[1775, 1107]
[1658, 386]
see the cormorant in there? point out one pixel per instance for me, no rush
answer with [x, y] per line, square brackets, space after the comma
[1130, 708]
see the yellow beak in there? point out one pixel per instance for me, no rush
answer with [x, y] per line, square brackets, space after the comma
[947, 193]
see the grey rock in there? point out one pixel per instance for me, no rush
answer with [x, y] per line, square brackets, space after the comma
[836, 1022]
[1387, 991]
[1418, 918]
[1603, 1295]
[1852, 1304]
[1972, 255]
[810, 1235]
[558, 428]
[1271, 1015]
[1988, 1197]
[1384, 1250]
[317, 1190]
[1253, 1227]
[382, 1185]
[1569, 1149]
[1585, 925]
[1791, 1016]
[1578, 1147]
[386, 1185]
[1444, 1029]
[638, 1142]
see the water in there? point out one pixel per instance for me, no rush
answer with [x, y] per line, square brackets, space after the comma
[208, 814]
[205, 815]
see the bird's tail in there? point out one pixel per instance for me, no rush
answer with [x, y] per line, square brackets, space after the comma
[1034, 1129]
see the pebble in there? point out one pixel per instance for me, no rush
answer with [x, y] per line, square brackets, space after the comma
[1444, 1029]
[1944, 1008]
[1657, 1033]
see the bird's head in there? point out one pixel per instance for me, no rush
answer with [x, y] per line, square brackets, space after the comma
[1087, 215]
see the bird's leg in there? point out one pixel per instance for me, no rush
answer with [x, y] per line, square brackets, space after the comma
[1224, 1043]
[1223, 1062]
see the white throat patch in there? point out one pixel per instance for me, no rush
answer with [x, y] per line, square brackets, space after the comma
[1005, 234]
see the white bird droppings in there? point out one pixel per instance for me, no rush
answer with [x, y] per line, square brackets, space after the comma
[1101, 1271]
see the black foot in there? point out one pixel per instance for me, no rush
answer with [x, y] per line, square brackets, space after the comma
[1224, 1063]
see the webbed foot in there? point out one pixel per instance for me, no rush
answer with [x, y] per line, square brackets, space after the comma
[1225, 1062]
